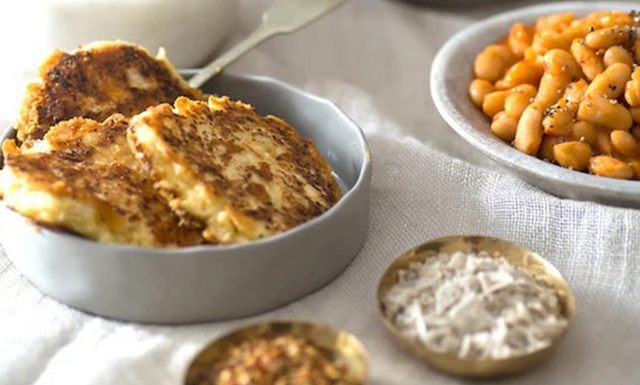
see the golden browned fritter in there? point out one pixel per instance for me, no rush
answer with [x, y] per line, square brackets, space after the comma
[96, 81]
[246, 176]
[83, 178]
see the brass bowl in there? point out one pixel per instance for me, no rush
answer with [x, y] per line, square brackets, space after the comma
[495, 247]
[343, 348]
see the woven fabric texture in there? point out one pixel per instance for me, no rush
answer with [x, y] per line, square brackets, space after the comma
[372, 58]
[418, 194]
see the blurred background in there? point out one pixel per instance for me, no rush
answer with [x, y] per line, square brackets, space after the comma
[190, 30]
[380, 48]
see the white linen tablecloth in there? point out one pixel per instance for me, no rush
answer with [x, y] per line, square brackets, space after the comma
[372, 58]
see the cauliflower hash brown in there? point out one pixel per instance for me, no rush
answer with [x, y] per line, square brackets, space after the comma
[96, 81]
[245, 175]
[83, 178]
[101, 152]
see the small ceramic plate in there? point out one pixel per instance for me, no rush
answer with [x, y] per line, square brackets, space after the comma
[207, 283]
[451, 75]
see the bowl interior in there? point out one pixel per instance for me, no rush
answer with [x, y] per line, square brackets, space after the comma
[337, 138]
[450, 79]
[8, 133]
[515, 255]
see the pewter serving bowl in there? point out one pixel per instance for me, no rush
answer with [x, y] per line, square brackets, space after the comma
[451, 75]
[208, 283]
[342, 349]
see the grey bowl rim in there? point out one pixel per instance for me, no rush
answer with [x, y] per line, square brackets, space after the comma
[131, 249]
[495, 148]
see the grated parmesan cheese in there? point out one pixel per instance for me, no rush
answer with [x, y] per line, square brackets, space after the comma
[474, 306]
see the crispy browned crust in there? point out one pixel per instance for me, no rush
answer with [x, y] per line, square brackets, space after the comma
[91, 162]
[208, 139]
[88, 141]
[95, 82]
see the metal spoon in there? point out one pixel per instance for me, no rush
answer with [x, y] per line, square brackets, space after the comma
[284, 16]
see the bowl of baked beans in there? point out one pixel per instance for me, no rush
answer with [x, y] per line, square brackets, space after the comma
[552, 92]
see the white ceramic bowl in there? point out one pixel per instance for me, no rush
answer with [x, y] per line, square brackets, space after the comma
[451, 74]
[207, 283]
